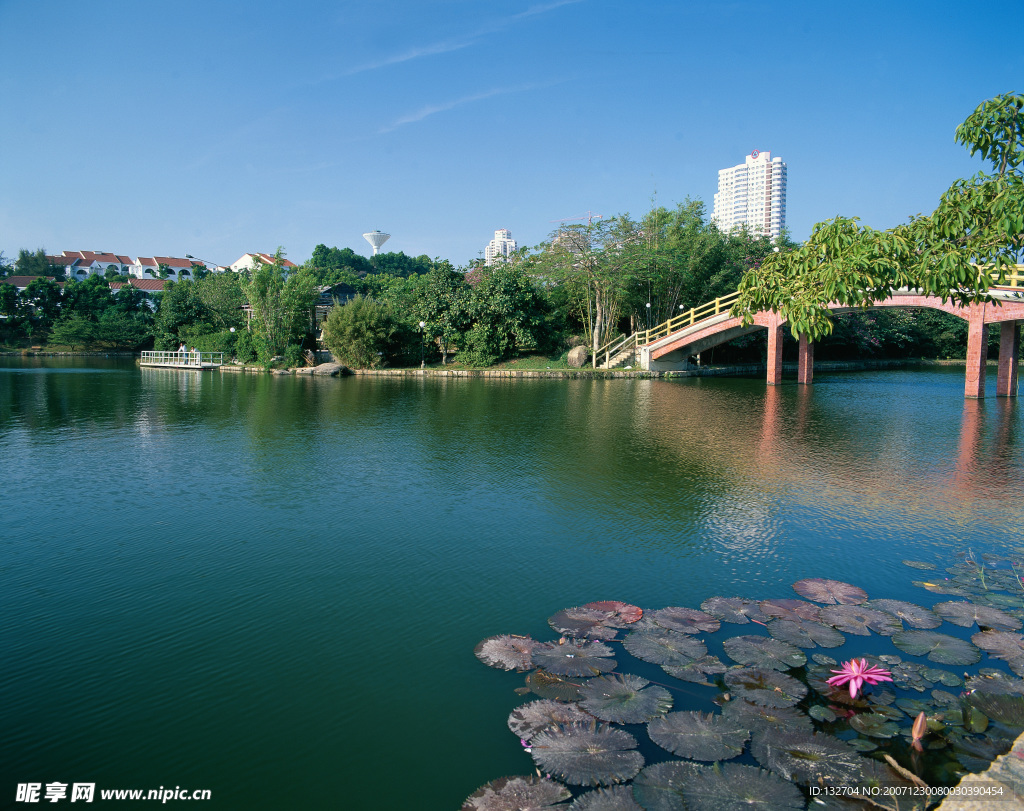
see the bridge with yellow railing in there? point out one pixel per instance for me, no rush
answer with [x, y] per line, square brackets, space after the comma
[669, 345]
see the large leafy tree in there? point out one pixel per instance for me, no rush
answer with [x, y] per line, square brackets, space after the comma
[281, 304]
[507, 314]
[971, 239]
[360, 332]
[443, 305]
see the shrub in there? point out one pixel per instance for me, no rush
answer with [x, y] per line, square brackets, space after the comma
[360, 333]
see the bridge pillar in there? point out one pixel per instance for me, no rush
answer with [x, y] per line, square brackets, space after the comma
[1009, 343]
[775, 353]
[977, 353]
[805, 365]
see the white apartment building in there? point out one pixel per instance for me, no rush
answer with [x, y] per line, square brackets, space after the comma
[502, 245]
[753, 194]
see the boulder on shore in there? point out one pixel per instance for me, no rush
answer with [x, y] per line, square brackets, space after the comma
[578, 356]
[331, 369]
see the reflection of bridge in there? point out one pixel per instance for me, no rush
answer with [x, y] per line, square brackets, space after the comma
[670, 345]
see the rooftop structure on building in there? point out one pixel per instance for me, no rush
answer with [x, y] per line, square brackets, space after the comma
[502, 245]
[247, 261]
[752, 194]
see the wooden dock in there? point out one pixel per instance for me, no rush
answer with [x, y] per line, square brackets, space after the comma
[197, 361]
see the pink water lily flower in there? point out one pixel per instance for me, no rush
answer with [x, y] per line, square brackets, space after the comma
[858, 672]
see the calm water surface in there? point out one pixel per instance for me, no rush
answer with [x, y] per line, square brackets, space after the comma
[271, 587]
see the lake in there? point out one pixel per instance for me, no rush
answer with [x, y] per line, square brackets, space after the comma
[271, 587]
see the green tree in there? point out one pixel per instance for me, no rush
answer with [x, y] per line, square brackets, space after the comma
[979, 222]
[326, 263]
[32, 264]
[42, 301]
[74, 330]
[281, 304]
[360, 332]
[508, 314]
[9, 301]
[443, 304]
[90, 297]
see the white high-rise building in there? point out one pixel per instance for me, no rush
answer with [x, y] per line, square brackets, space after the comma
[753, 194]
[502, 245]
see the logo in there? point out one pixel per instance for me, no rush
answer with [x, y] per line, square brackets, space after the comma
[755, 153]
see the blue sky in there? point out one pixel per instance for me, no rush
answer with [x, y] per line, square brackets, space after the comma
[219, 128]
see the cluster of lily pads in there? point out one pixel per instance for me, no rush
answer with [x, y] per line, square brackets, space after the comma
[665, 709]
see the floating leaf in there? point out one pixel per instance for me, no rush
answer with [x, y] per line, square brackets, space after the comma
[807, 759]
[587, 754]
[586, 623]
[1000, 644]
[507, 652]
[830, 592]
[1001, 699]
[659, 787]
[874, 725]
[586, 659]
[625, 612]
[860, 620]
[736, 610]
[687, 620]
[913, 615]
[968, 614]
[767, 687]
[941, 648]
[805, 634]
[822, 713]
[943, 587]
[517, 794]
[822, 659]
[786, 609]
[661, 646]
[625, 699]
[698, 670]
[529, 719]
[758, 716]
[698, 736]
[548, 685]
[615, 798]
[734, 785]
[917, 564]
[760, 651]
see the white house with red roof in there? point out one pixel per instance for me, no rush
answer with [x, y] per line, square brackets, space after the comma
[248, 262]
[82, 264]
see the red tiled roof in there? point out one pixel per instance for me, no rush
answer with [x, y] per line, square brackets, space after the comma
[149, 284]
[173, 262]
[62, 260]
[147, 261]
[21, 282]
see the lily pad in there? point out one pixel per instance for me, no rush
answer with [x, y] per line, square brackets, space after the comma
[698, 670]
[587, 754]
[550, 685]
[736, 610]
[968, 614]
[805, 634]
[529, 719]
[787, 609]
[874, 725]
[758, 716]
[580, 622]
[659, 787]
[507, 652]
[759, 651]
[767, 687]
[734, 785]
[570, 659]
[830, 592]
[943, 587]
[917, 564]
[941, 648]
[687, 620]
[626, 613]
[661, 646]
[913, 615]
[614, 798]
[1000, 644]
[698, 736]
[819, 712]
[808, 759]
[625, 699]
[517, 794]
[860, 620]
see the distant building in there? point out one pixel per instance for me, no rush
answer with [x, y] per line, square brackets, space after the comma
[502, 245]
[248, 262]
[80, 265]
[752, 194]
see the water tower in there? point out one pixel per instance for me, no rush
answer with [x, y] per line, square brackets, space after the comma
[376, 239]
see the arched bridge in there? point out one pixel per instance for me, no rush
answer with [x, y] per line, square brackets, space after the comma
[670, 345]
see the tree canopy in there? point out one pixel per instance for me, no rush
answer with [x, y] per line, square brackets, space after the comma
[973, 237]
